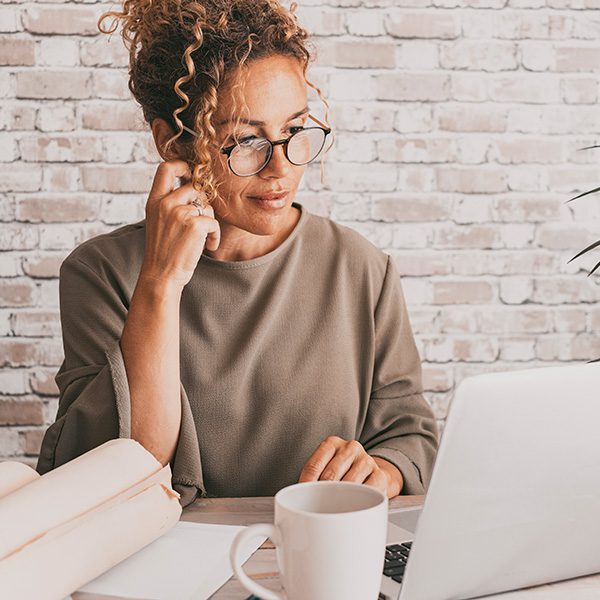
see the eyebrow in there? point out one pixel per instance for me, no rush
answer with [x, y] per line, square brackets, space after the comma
[262, 123]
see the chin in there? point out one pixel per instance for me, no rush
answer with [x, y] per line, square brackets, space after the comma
[249, 215]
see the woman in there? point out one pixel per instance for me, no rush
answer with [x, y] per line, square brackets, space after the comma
[237, 337]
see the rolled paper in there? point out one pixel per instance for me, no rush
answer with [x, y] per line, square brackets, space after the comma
[71, 490]
[76, 522]
[14, 475]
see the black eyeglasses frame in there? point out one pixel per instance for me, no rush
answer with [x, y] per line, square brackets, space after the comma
[283, 142]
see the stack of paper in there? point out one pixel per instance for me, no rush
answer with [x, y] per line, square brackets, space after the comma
[190, 562]
[62, 530]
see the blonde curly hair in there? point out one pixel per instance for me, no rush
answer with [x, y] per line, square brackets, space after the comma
[183, 52]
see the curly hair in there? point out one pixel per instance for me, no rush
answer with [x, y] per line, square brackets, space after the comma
[183, 52]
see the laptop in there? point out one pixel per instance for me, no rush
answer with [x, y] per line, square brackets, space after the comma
[514, 499]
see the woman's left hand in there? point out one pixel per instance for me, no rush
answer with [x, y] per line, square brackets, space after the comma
[337, 459]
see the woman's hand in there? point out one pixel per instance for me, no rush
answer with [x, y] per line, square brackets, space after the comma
[337, 459]
[175, 231]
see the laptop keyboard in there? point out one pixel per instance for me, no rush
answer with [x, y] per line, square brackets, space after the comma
[396, 556]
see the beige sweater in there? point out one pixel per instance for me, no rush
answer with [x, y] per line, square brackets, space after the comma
[277, 353]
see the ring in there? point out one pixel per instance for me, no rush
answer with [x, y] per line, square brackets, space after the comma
[199, 207]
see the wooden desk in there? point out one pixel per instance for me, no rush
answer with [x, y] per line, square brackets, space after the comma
[262, 565]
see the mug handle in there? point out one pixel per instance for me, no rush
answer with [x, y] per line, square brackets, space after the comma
[251, 531]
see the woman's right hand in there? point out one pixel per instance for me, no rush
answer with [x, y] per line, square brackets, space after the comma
[175, 232]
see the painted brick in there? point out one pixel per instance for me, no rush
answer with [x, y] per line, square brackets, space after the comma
[463, 292]
[60, 148]
[533, 88]
[479, 56]
[361, 55]
[424, 25]
[42, 265]
[321, 21]
[18, 291]
[13, 381]
[9, 442]
[416, 150]
[459, 127]
[412, 87]
[532, 150]
[42, 382]
[35, 323]
[21, 178]
[110, 84]
[369, 24]
[103, 52]
[22, 352]
[10, 19]
[31, 440]
[17, 117]
[585, 59]
[414, 118]
[53, 84]
[62, 20]
[426, 208]
[56, 116]
[468, 87]
[61, 177]
[16, 237]
[111, 116]
[58, 52]
[516, 290]
[418, 55]
[20, 411]
[470, 180]
[421, 264]
[17, 51]
[132, 178]
[472, 118]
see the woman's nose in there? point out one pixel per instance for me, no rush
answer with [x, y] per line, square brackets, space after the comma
[278, 166]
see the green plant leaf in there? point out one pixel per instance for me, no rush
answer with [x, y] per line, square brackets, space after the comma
[592, 271]
[590, 247]
[595, 244]
[584, 194]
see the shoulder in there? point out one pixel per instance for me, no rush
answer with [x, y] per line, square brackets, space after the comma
[343, 248]
[117, 253]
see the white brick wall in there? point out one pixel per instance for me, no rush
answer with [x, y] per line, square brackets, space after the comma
[458, 126]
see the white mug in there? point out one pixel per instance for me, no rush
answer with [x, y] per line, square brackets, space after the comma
[330, 539]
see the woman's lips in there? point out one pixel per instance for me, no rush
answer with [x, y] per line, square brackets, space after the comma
[270, 196]
[271, 200]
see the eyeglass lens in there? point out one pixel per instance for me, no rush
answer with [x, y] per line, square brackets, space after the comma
[250, 156]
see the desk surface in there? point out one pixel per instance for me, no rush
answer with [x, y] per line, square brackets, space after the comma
[262, 565]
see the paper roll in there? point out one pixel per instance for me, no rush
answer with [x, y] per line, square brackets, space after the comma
[72, 490]
[14, 475]
[93, 512]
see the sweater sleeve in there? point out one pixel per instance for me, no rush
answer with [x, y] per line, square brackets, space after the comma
[94, 403]
[400, 426]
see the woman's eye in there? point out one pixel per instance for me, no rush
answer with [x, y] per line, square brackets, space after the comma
[247, 139]
[296, 129]
[239, 139]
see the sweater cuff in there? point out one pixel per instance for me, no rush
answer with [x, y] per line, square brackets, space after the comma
[413, 484]
[118, 375]
[186, 467]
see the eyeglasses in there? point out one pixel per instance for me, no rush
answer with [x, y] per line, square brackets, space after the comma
[252, 154]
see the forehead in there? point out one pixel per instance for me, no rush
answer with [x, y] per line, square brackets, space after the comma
[271, 90]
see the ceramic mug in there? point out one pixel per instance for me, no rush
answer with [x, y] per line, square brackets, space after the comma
[330, 542]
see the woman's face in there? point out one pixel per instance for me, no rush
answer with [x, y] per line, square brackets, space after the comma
[273, 102]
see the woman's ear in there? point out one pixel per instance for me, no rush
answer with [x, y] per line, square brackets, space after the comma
[161, 131]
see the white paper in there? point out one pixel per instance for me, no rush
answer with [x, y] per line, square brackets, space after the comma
[189, 562]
